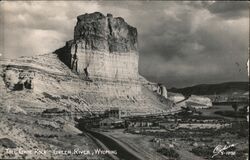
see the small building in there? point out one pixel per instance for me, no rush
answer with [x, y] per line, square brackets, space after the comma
[139, 122]
[113, 112]
[111, 122]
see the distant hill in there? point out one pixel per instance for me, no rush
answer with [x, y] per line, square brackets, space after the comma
[227, 88]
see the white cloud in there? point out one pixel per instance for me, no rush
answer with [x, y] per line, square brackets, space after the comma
[40, 26]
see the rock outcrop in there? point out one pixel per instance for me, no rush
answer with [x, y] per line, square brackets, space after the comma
[105, 33]
[161, 90]
[198, 102]
[103, 48]
[18, 78]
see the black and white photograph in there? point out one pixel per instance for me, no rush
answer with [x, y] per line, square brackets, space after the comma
[124, 80]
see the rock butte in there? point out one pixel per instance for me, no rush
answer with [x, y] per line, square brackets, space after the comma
[105, 49]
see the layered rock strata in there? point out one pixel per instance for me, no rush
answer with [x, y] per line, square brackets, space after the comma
[104, 49]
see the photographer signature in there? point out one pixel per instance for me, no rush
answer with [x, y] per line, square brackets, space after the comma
[220, 149]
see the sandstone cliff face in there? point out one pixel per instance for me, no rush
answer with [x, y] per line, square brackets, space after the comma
[103, 48]
[98, 32]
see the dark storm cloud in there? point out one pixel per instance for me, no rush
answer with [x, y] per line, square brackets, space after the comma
[191, 46]
[167, 35]
[180, 43]
[230, 9]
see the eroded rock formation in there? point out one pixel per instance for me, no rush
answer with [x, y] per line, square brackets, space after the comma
[18, 79]
[103, 48]
[161, 90]
[199, 101]
[105, 33]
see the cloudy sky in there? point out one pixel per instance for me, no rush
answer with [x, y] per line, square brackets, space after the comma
[181, 43]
